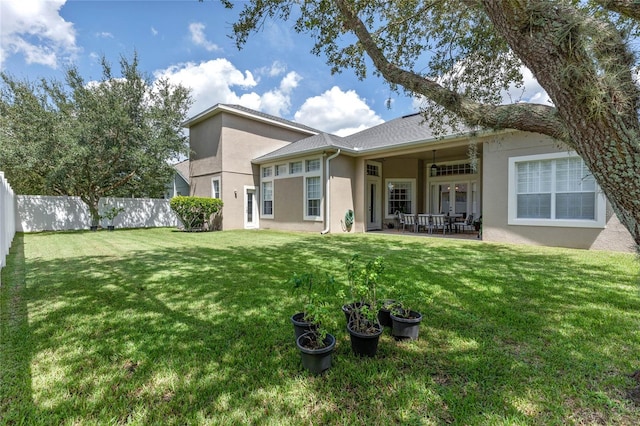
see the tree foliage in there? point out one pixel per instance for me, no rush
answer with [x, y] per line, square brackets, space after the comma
[113, 137]
[460, 55]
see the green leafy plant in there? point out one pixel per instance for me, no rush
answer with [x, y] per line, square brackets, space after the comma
[363, 283]
[316, 289]
[110, 212]
[196, 213]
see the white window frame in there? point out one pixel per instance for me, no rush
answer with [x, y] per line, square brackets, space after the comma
[600, 202]
[267, 172]
[213, 187]
[387, 194]
[264, 215]
[292, 168]
[308, 162]
[317, 173]
[280, 169]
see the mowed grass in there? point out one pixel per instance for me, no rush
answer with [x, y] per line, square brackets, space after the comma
[163, 327]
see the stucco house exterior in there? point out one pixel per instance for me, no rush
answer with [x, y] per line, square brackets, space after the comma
[272, 173]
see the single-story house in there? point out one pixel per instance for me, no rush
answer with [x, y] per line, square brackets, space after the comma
[179, 184]
[273, 173]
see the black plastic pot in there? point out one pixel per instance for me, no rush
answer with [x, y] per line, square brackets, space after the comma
[365, 344]
[348, 309]
[384, 313]
[300, 326]
[316, 360]
[94, 227]
[406, 328]
[110, 227]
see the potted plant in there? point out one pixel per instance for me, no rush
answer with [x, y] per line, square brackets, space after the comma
[405, 322]
[316, 345]
[315, 289]
[363, 326]
[313, 340]
[384, 313]
[110, 213]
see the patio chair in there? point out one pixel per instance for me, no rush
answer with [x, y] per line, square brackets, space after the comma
[467, 225]
[438, 221]
[423, 222]
[409, 220]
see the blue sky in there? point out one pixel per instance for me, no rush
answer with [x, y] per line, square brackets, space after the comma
[187, 41]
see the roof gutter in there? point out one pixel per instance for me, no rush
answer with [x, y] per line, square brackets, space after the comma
[327, 219]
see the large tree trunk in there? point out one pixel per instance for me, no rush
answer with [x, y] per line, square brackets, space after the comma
[596, 100]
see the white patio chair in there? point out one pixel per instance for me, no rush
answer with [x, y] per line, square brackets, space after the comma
[438, 221]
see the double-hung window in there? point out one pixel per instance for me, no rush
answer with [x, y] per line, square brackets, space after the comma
[400, 196]
[314, 195]
[267, 192]
[313, 190]
[554, 190]
[267, 198]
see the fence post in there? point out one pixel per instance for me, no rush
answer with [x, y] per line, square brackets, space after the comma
[7, 220]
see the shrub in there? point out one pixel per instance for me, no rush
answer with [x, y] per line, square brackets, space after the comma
[196, 213]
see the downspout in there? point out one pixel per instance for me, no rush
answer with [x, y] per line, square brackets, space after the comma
[327, 218]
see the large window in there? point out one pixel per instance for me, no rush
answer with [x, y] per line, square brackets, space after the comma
[267, 198]
[554, 190]
[313, 196]
[400, 196]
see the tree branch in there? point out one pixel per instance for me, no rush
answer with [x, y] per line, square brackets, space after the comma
[628, 8]
[527, 117]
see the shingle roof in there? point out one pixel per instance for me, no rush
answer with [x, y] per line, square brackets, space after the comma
[241, 110]
[308, 145]
[402, 131]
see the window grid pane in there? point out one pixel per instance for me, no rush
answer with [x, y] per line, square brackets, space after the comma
[567, 181]
[400, 198]
[295, 167]
[267, 198]
[313, 165]
[314, 193]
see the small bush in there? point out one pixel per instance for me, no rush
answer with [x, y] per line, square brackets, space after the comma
[196, 213]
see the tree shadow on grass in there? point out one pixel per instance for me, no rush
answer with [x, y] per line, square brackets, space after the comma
[195, 334]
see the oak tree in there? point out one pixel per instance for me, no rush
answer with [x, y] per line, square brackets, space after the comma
[92, 139]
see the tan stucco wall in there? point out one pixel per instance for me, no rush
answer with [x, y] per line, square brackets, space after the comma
[205, 145]
[288, 207]
[496, 154]
[224, 146]
[245, 139]
[342, 192]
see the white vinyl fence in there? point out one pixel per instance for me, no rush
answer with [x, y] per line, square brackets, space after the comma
[7, 219]
[45, 213]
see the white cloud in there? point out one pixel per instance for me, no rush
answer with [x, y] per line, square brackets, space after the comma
[198, 37]
[154, 31]
[104, 34]
[530, 92]
[212, 82]
[219, 81]
[338, 112]
[36, 30]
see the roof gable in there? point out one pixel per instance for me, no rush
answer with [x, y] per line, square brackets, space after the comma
[250, 114]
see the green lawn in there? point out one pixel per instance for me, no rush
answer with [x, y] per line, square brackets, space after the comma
[162, 327]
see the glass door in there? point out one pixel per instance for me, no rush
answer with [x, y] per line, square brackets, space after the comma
[250, 208]
[450, 198]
